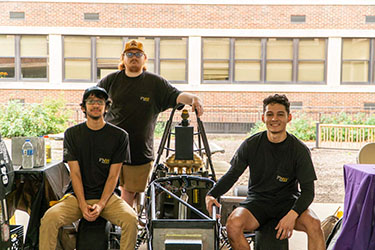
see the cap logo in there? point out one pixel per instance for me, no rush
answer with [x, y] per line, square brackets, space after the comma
[133, 43]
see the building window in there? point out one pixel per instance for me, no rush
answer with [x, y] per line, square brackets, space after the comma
[91, 16]
[7, 56]
[264, 60]
[311, 60]
[248, 58]
[17, 15]
[108, 51]
[34, 55]
[296, 105]
[101, 55]
[298, 18]
[279, 63]
[23, 57]
[77, 58]
[173, 54]
[357, 61]
[216, 55]
[369, 106]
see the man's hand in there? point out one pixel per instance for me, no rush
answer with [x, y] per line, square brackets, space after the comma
[286, 225]
[95, 210]
[86, 212]
[210, 201]
[197, 105]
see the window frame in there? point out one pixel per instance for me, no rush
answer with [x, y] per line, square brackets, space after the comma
[158, 60]
[17, 61]
[93, 58]
[263, 62]
[371, 62]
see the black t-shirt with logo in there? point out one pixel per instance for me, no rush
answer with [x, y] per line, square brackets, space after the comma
[275, 168]
[95, 151]
[137, 102]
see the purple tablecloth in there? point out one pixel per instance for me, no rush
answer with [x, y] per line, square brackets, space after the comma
[358, 228]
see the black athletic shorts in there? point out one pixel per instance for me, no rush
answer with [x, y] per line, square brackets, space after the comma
[265, 210]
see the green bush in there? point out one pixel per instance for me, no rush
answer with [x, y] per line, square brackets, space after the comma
[344, 119]
[18, 119]
[303, 128]
[159, 129]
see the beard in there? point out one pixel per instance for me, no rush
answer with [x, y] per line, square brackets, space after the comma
[94, 117]
[134, 68]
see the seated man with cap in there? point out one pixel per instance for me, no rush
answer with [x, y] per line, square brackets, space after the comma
[95, 151]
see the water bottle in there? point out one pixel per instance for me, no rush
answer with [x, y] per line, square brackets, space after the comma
[182, 209]
[48, 151]
[27, 154]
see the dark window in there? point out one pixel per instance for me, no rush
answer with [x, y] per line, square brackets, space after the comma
[24, 57]
[369, 105]
[91, 16]
[296, 105]
[370, 19]
[297, 18]
[17, 15]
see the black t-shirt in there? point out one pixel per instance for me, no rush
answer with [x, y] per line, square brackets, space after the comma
[137, 101]
[95, 151]
[275, 168]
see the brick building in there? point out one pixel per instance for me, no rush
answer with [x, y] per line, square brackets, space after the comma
[231, 53]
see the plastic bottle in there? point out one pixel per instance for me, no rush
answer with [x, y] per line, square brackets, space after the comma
[182, 209]
[48, 149]
[27, 154]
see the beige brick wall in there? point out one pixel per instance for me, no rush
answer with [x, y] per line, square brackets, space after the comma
[187, 16]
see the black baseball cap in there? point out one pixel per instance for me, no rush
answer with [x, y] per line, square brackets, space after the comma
[94, 89]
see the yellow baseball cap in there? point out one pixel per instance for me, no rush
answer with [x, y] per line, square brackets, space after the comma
[133, 44]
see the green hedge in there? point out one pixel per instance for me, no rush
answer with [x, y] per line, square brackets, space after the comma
[304, 127]
[18, 119]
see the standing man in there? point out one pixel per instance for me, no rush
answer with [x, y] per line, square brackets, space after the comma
[138, 97]
[278, 162]
[95, 151]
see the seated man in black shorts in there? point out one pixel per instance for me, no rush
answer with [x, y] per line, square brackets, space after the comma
[277, 162]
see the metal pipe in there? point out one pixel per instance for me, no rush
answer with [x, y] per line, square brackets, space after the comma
[183, 202]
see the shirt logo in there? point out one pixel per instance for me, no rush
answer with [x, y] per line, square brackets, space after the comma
[104, 160]
[282, 179]
[144, 98]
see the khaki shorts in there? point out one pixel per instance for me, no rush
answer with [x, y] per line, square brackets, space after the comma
[134, 178]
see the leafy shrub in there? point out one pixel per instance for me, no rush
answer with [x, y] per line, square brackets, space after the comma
[258, 127]
[159, 129]
[303, 128]
[18, 119]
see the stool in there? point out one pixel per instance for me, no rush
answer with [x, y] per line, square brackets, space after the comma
[93, 235]
[265, 238]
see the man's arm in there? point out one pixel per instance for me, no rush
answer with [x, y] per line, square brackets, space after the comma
[190, 99]
[286, 224]
[223, 185]
[75, 175]
[109, 187]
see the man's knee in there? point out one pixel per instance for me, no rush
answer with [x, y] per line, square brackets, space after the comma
[314, 226]
[311, 224]
[129, 218]
[50, 217]
[236, 223]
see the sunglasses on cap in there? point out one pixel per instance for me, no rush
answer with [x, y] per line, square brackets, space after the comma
[131, 54]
